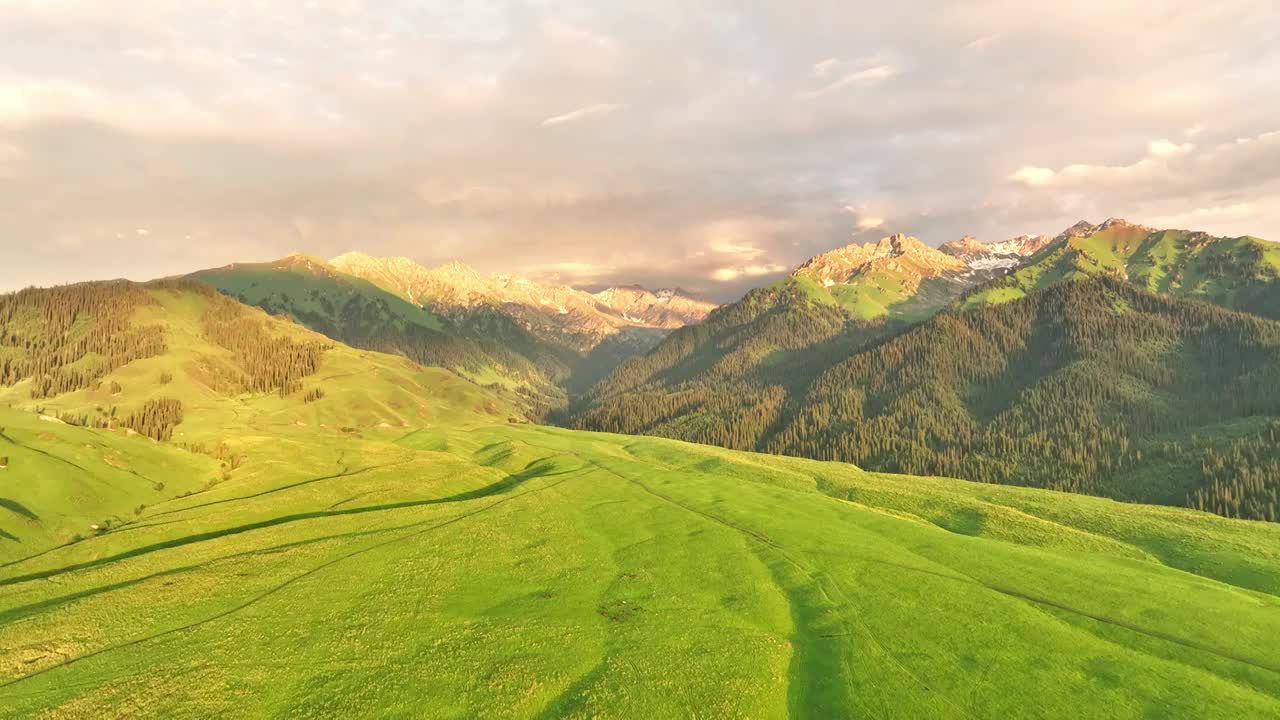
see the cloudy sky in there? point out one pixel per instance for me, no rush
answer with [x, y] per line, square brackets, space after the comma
[710, 145]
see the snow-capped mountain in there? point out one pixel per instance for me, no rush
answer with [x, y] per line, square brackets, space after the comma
[991, 256]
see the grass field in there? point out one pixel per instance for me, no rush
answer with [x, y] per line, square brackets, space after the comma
[398, 548]
[527, 571]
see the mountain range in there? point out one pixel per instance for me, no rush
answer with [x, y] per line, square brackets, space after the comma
[540, 342]
[1112, 359]
[556, 313]
[210, 511]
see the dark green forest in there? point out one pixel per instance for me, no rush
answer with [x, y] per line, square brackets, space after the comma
[1089, 386]
[67, 338]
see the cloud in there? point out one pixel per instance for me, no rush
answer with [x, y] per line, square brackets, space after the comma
[728, 274]
[1159, 152]
[821, 69]
[1033, 176]
[581, 114]
[1164, 148]
[1198, 217]
[10, 157]
[734, 138]
[864, 76]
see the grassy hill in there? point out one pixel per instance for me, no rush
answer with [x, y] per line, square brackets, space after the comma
[1239, 273]
[87, 456]
[502, 571]
[361, 536]
[1092, 386]
[491, 349]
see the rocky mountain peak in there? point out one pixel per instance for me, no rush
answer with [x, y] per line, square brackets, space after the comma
[897, 253]
[1084, 228]
[1122, 224]
[556, 312]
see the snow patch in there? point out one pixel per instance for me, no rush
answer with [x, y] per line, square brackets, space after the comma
[994, 262]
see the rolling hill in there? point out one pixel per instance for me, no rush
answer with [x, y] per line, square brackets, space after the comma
[342, 533]
[103, 371]
[1099, 386]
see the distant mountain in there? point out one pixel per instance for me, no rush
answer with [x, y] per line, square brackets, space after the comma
[558, 314]
[1003, 254]
[901, 278]
[542, 342]
[1238, 273]
[491, 349]
[1107, 385]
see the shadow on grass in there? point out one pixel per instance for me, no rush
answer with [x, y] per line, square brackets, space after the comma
[18, 508]
[537, 469]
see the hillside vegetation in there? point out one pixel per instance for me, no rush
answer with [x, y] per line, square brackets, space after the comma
[1239, 273]
[490, 349]
[1091, 386]
[385, 540]
[88, 457]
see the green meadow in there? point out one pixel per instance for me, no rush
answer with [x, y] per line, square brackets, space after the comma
[406, 546]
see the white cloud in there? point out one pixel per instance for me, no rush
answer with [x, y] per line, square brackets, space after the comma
[1159, 154]
[10, 157]
[822, 68]
[868, 222]
[981, 42]
[863, 76]
[1164, 148]
[1033, 176]
[729, 274]
[1207, 215]
[581, 114]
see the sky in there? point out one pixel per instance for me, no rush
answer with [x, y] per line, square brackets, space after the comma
[710, 145]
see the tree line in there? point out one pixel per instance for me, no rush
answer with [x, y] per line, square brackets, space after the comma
[67, 338]
[1073, 388]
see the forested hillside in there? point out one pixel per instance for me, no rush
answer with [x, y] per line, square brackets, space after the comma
[120, 395]
[1092, 386]
[250, 490]
[490, 349]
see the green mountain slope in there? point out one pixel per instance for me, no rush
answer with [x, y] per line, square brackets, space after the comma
[490, 349]
[129, 364]
[898, 279]
[536, 572]
[1239, 273]
[1091, 386]
[365, 537]
[729, 379]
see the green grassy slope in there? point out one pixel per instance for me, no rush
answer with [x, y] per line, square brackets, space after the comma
[500, 571]
[492, 350]
[61, 480]
[1239, 273]
[396, 547]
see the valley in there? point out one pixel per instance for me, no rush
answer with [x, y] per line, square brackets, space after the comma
[209, 508]
[400, 540]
